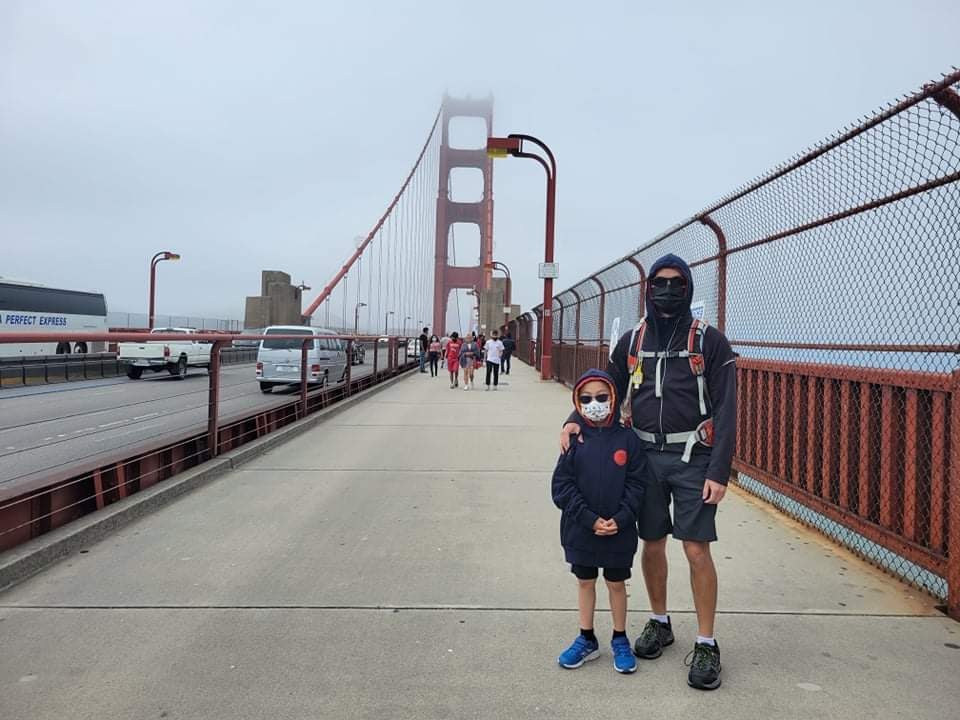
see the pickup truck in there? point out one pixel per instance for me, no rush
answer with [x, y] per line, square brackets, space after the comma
[173, 356]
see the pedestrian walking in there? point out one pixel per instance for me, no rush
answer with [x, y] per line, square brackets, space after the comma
[481, 343]
[453, 358]
[598, 484]
[493, 350]
[423, 342]
[677, 378]
[434, 355]
[469, 354]
[509, 345]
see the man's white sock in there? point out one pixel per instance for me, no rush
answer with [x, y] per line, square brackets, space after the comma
[701, 640]
[660, 618]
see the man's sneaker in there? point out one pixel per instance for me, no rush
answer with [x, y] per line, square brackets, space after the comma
[580, 652]
[654, 638]
[623, 660]
[704, 662]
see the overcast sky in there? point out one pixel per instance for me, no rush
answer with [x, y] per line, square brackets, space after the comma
[251, 135]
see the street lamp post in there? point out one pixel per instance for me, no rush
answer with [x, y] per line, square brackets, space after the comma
[159, 257]
[405, 324]
[513, 145]
[476, 308]
[508, 296]
[386, 328]
[356, 317]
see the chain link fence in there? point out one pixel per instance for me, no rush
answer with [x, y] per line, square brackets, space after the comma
[141, 320]
[836, 277]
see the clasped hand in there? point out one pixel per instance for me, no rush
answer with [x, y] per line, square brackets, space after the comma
[605, 527]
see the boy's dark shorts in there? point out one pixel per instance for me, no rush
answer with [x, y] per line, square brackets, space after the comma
[586, 572]
[669, 478]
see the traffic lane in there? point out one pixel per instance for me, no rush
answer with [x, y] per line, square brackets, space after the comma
[28, 451]
[70, 403]
[47, 404]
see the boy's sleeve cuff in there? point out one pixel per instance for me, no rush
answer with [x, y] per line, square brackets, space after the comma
[624, 519]
[588, 518]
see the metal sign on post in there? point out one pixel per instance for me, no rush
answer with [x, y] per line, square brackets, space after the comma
[549, 271]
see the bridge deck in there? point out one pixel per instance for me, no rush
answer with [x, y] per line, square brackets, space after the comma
[402, 561]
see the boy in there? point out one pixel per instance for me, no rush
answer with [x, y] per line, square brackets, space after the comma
[598, 484]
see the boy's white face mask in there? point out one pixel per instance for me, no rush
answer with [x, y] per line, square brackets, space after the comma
[596, 411]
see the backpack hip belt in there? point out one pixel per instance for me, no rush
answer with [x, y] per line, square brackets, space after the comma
[702, 435]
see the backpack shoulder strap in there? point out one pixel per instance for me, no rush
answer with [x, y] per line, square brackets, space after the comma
[698, 328]
[636, 345]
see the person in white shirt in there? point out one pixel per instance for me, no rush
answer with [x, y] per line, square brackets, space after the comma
[494, 351]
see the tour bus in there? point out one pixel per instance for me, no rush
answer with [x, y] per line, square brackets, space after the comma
[48, 312]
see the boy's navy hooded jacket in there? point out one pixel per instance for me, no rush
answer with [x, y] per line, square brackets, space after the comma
[678, 410]
[600, 478]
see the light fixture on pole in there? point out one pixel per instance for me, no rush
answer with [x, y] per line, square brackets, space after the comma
[512, 145]
[386, 329]
[159, 257]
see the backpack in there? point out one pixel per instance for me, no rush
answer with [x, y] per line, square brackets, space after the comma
[693, 353]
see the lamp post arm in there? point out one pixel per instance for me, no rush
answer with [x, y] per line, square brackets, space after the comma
[543, 146]
[534, 156]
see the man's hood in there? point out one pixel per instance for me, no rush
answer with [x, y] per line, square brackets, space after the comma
[589, 376]
[677, 263]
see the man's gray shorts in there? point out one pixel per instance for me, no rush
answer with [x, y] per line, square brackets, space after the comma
[669, 478]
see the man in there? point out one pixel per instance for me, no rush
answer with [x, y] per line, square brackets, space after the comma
[424, 342]
[678, 379]
[509, 345]
[493, 349]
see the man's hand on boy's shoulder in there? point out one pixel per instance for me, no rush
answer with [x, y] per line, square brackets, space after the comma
[569, 429]
[605, 527]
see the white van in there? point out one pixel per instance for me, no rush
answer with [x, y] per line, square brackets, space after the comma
[278, 361]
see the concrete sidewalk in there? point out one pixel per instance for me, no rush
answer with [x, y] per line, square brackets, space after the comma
[402, 560]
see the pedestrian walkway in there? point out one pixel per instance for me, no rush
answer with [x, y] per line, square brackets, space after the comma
[402, 560]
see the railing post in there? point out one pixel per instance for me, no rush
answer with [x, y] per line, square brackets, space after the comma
[721, 270]
[349, 365]
[603, 306]
[576, 338]
[953, 511]
[303, 377]
[376, 356]
[213, 399]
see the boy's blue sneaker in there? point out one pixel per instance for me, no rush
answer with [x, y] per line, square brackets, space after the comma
[623, 659]
[580, 652]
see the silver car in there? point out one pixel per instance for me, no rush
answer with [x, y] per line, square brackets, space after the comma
[278, 361]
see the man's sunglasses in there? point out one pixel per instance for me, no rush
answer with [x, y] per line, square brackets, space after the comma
[663, 282]
[587, 399]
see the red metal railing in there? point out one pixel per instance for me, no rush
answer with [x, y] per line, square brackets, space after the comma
[42, 499]
[835, 276]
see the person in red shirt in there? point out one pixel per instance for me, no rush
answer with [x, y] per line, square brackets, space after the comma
[453, 358]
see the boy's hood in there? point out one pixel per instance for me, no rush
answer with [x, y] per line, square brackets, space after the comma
[592, 375]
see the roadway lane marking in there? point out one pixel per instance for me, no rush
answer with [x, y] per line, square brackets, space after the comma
[128, 432]
[112, 424]
[148, 415]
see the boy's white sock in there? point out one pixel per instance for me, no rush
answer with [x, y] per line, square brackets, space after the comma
[701, 640]
[660, 618]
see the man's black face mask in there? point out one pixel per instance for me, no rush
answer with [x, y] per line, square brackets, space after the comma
[669, 295]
